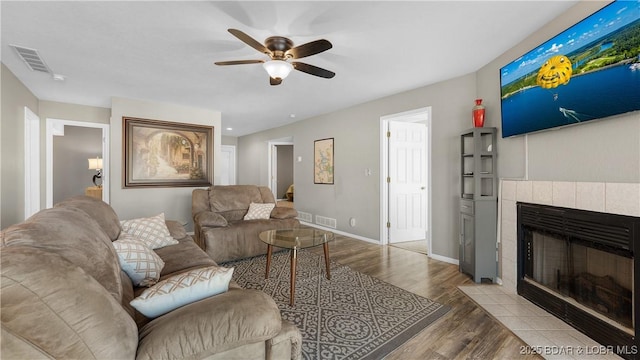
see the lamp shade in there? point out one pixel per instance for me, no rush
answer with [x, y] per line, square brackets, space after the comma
[278, 69]
[95, 164]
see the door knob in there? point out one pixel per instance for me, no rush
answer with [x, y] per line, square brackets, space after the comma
[422, 188]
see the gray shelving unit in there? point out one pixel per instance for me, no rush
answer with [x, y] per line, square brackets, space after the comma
[478, 203]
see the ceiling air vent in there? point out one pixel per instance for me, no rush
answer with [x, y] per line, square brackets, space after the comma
[32, 59]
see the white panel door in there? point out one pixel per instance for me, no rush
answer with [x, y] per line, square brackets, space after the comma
[227, 165]
[407, 181]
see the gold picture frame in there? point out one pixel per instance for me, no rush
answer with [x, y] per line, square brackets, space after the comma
[166, 154]
[323, 161]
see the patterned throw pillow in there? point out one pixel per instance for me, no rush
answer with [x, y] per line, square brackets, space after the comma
[142, 264]
[152, 230]
[182, 289]
[259, 211]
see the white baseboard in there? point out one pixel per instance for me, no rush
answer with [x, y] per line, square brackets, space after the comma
[445, 259]
[373, 241]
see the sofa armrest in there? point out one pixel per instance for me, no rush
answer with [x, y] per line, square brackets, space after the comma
[176, 229]
[210, 219]
[283, 213]
[287, 344]
[213, 325]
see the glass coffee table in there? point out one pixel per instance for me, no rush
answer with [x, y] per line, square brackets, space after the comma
[294, 239]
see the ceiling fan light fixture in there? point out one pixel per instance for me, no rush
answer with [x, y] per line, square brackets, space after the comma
[278, 69]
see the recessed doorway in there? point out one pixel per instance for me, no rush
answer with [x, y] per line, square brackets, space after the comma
[281, 168]
[405, 201]
[69, 146]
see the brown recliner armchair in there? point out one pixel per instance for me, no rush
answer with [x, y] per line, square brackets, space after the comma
[219, 225]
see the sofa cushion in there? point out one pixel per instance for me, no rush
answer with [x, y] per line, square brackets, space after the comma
[259, 211]
[100, 211]
[232, 201]
[280, 212]
[74, 235]
[212, 325]
[53, 307]
[182, 289]
[152, 230]
[142, 265]
[208, 218]
[184, 256]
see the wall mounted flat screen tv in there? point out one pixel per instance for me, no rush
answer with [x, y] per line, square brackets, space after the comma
[590, 71]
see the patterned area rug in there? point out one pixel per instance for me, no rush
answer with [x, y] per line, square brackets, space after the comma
[351, 316]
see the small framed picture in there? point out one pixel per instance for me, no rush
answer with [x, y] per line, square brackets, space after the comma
[323, 161]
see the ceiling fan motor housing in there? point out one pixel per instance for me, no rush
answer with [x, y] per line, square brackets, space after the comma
[279, 46]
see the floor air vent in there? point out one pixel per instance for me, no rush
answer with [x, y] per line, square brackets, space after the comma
[32, 59]
[325, 221]
[306, 217]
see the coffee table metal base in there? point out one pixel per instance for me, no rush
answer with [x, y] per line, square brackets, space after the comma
[294, 266]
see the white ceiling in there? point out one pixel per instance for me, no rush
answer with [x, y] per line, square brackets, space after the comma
[164, 51]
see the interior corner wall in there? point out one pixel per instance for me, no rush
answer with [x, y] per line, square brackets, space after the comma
[356, 133]
[229, 140]
[605, 150]
[174, 202]
[14, 96]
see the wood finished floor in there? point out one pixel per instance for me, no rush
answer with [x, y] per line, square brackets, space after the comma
[420, 246]
[465, 332]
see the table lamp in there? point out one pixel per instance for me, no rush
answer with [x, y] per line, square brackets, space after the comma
[96, 164]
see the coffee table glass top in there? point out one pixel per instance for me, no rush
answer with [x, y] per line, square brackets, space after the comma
[298, 238]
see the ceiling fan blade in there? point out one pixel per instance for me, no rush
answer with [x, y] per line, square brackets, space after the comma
[238, 62]
[313, 70]
[250, 41]
[275, 81]
[310, 48]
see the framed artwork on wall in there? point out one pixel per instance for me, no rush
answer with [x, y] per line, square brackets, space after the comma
[323, 161]
[166, 154]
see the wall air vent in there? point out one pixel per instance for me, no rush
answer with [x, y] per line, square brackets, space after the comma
[304, 216]
[32, 59]
[326, 221]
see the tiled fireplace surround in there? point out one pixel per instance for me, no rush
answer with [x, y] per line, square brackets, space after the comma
[615, 198]
[533, 325]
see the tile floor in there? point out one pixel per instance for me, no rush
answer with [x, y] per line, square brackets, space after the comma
[547, 335]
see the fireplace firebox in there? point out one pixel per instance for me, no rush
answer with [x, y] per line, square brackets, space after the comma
[580, 266]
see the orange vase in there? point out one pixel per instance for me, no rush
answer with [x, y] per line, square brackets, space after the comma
[478, 114]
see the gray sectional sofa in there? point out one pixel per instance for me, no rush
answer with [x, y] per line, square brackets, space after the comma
[64, 295]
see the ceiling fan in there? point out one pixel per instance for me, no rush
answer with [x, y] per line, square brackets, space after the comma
[280, 50]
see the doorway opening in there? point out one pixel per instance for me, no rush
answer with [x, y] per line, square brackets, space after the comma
[405, 196]
[69, 146]
[31, 163]
[281, 181]
[227, 165]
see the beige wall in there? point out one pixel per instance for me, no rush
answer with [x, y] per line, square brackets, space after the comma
[606, 150]
[230, 140]
[14, 97]
[64, 111]
[356, 131]
[142, 202]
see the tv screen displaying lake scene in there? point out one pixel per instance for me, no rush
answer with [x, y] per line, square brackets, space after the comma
[590, 71]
